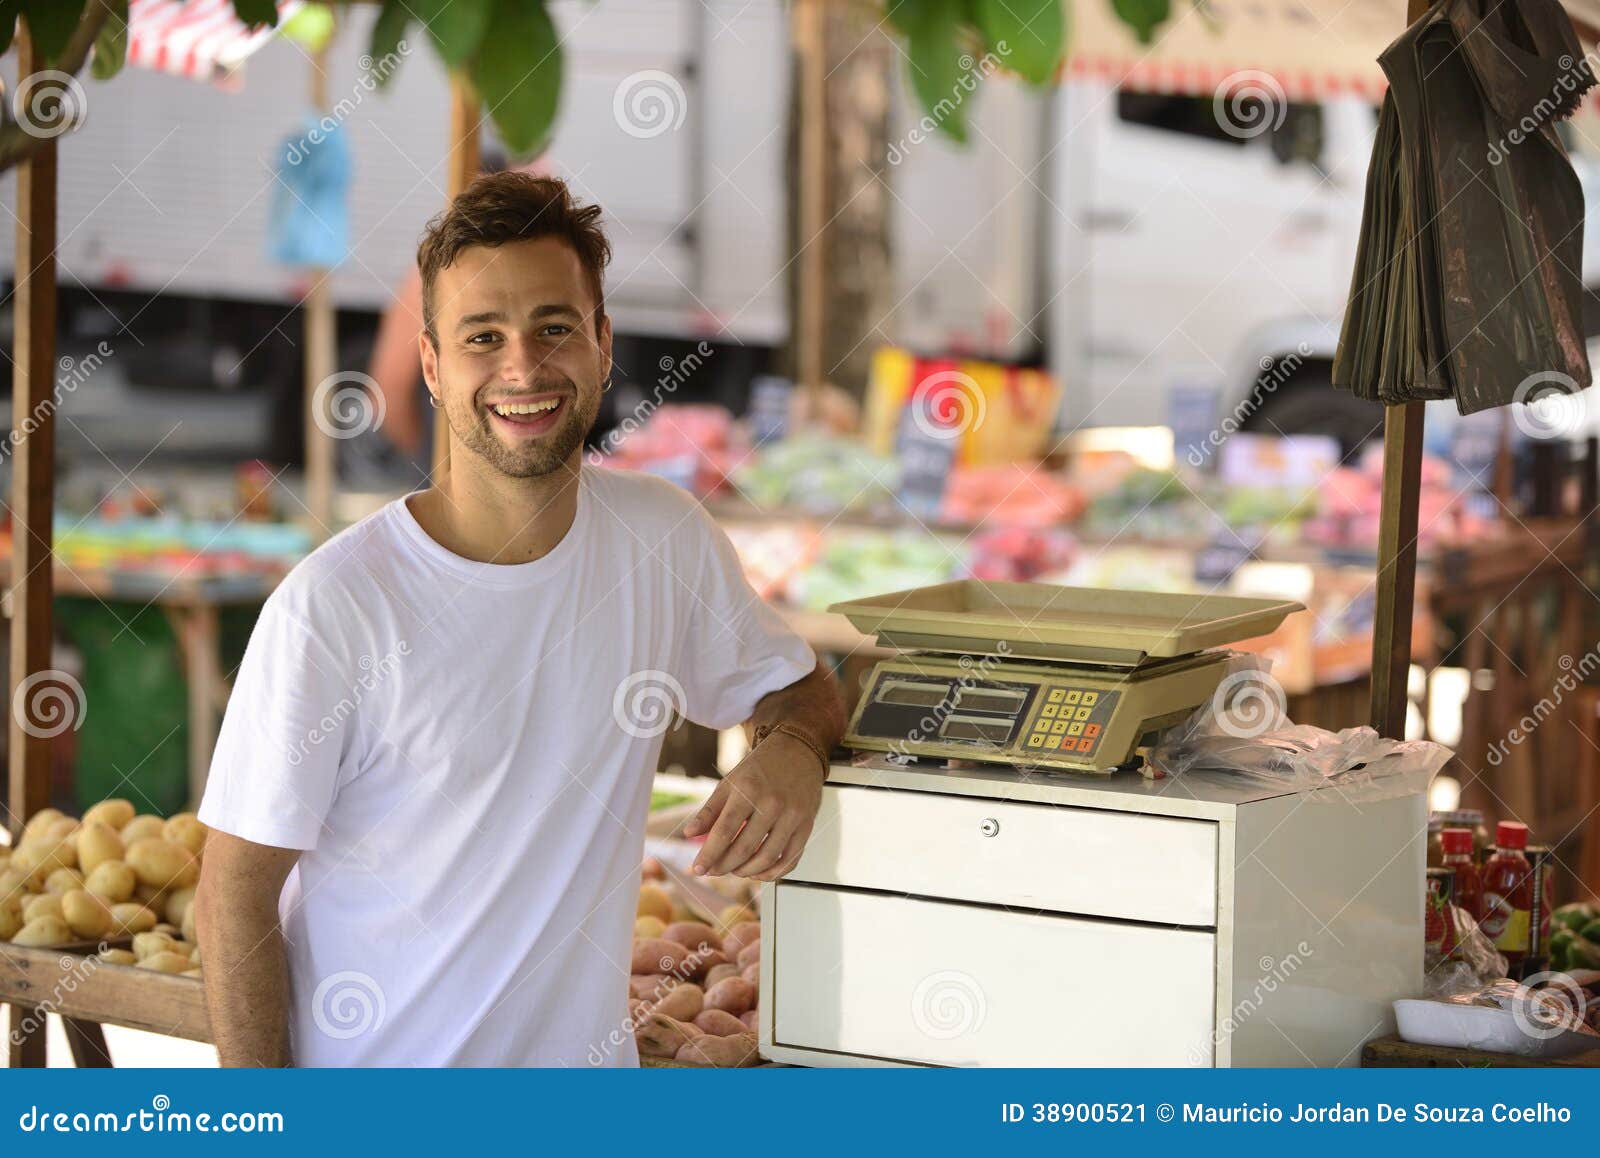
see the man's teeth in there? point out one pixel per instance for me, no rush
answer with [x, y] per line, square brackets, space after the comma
[507, 409]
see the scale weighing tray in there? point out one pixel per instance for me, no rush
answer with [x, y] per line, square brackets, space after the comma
[1033, 674]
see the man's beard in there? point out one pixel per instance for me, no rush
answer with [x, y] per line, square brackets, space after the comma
[536, 457]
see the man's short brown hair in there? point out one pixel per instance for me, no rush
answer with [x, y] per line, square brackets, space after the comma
[501, 207]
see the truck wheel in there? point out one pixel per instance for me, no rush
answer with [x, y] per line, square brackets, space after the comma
[1307, 403]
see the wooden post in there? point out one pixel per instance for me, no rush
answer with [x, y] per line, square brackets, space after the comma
[321, 354]
[464, 164]
[33, 462]
[812, 185]
[1397, 550]
[32, 483]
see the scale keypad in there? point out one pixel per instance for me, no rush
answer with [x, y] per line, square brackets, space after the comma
[1070, 721]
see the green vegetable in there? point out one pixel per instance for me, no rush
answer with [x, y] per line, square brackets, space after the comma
[1591, 931]
[1574, 916]
[1582, 953]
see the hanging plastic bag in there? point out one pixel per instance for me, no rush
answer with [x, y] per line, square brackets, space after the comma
[1244, 732]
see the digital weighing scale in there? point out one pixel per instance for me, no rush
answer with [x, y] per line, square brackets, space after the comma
[1070, 678]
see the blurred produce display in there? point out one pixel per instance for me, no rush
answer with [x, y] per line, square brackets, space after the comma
[854, 563]
[1011, 495]
[1349, 501]
[694, 445]
[818, 473]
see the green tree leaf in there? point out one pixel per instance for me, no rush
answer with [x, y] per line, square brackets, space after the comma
[936, 67]
[457, 26]
[51, 23]
[387, 35]
[111, 44]
[9, 11]
[1034, 33]
[254, 12]
[905, 14]
[517, 73]
[1143, 16]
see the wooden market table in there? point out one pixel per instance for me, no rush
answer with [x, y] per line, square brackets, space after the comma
[1392, 1053]
[87, 993]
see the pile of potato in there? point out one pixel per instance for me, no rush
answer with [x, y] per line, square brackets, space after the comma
[695, 989]
[111, 876]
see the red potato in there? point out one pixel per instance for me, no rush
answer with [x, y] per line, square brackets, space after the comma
[651, 870]
[723, 1052]
[693, 935]
[650, 986]
[739, 936]
[720, 973]
[751, 955]
[658, 955]
[736, 995]
[751, 1020]
[752, 973]
[659, 1036]
[681, 1003]
[719, 1022]
[702, 961]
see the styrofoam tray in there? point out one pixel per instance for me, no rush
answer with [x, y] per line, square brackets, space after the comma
[1424, 1022]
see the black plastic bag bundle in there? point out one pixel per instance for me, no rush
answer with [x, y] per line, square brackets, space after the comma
[1468, 275]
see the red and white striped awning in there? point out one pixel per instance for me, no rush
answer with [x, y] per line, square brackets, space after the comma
[1312, 49]
[198, 39]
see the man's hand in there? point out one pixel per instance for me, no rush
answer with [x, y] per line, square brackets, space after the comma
[761, 814]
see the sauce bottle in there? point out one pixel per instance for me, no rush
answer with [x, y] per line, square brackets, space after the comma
[1468, 892]
[1508, 893]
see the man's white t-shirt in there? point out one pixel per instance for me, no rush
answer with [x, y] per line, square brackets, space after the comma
[465, 753]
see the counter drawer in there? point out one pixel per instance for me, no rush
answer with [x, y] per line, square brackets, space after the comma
[960, 985]
[1028, 856]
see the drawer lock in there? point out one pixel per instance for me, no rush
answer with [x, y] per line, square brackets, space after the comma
[990, 827]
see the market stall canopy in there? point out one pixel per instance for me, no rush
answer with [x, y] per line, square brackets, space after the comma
[1313, 49]
[198, 39]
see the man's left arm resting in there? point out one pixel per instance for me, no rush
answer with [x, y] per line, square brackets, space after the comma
[760, 816]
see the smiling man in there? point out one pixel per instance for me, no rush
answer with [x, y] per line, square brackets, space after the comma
[429, 792]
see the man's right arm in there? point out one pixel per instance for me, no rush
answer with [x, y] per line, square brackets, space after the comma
[241, 943]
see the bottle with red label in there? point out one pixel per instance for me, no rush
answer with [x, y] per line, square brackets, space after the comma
[1508, 893]
[1468, 891]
